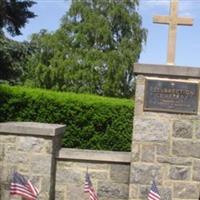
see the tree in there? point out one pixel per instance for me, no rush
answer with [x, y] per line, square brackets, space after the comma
[13, 57]
[93, 51]
[14, 14]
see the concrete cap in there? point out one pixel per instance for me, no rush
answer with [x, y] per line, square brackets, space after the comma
[167, 70]
[94, 155]
[32, 128]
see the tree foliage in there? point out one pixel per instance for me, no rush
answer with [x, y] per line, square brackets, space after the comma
[14, 14]
[13, 56]
[93, 51]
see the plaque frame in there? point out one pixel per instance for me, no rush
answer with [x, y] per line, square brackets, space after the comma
[154, 109]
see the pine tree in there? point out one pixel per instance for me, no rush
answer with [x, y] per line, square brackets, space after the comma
[14, 14]
[13, 57]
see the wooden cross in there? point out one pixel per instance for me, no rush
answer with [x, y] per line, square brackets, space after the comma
[173, 20]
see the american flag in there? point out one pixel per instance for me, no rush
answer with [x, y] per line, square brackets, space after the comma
[154, 194]
[23, 187]
[88, 188]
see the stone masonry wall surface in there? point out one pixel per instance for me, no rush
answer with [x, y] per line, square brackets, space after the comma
[109, 172]
[28, 155]
[31, 155]
[165, 147]
[33, 150]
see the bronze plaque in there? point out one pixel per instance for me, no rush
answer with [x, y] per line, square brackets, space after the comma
[171, 96]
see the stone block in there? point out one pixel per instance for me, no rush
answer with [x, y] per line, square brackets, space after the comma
[139, 92]
[111, 190]
[186, 191]
[139, 96]
[144, 174]
[84, 165]
[6, 174]
[32, 128]
[17, 158]
[10, 148]
[94, 155]
[143, 191]
[24, 169]
[75, 191]
[69, 176]
[43, 195]
[1, 152]
[196, 170]
[179, 173]
[162, 149]
[165, 193]
[41, 164]
[135, 154]
[175, 160]
[8, 139]
[45, 185]
[36, 180]
[59, 195]
[99, 175]
[151, 130]
[183, 129]
[182, 148]
[120, 173]
[186, 148]
[133, 191]
[148, 153]
[197, 129]
[27, 144]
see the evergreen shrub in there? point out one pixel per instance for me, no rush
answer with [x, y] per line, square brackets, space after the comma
[92, 122]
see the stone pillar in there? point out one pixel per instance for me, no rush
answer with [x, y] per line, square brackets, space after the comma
[165, 146]
[29, 148]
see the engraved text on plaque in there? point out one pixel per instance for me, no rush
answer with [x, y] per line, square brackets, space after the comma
[171, 96]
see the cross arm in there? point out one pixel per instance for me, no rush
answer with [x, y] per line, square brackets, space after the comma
[161, 19]
[185, 21]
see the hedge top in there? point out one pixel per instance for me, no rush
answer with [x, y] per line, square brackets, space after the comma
[67, 96]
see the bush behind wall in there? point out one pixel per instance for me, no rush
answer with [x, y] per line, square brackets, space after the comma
[92, 122]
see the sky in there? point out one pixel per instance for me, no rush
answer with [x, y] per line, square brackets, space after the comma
[50, 12]
[188, 40]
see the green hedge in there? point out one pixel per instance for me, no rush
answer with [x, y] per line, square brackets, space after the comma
[92, 122]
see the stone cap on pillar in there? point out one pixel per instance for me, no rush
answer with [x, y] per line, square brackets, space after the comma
[31, 128]
[166, 71]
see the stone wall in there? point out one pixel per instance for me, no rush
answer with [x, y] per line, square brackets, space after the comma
[31, 149]
[109, 173]
[165, 146]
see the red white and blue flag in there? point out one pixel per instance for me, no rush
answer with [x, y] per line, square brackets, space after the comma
[23, 187]
[88, 188]
[154, 193]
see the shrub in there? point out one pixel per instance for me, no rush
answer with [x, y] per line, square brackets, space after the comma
[92, 122]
